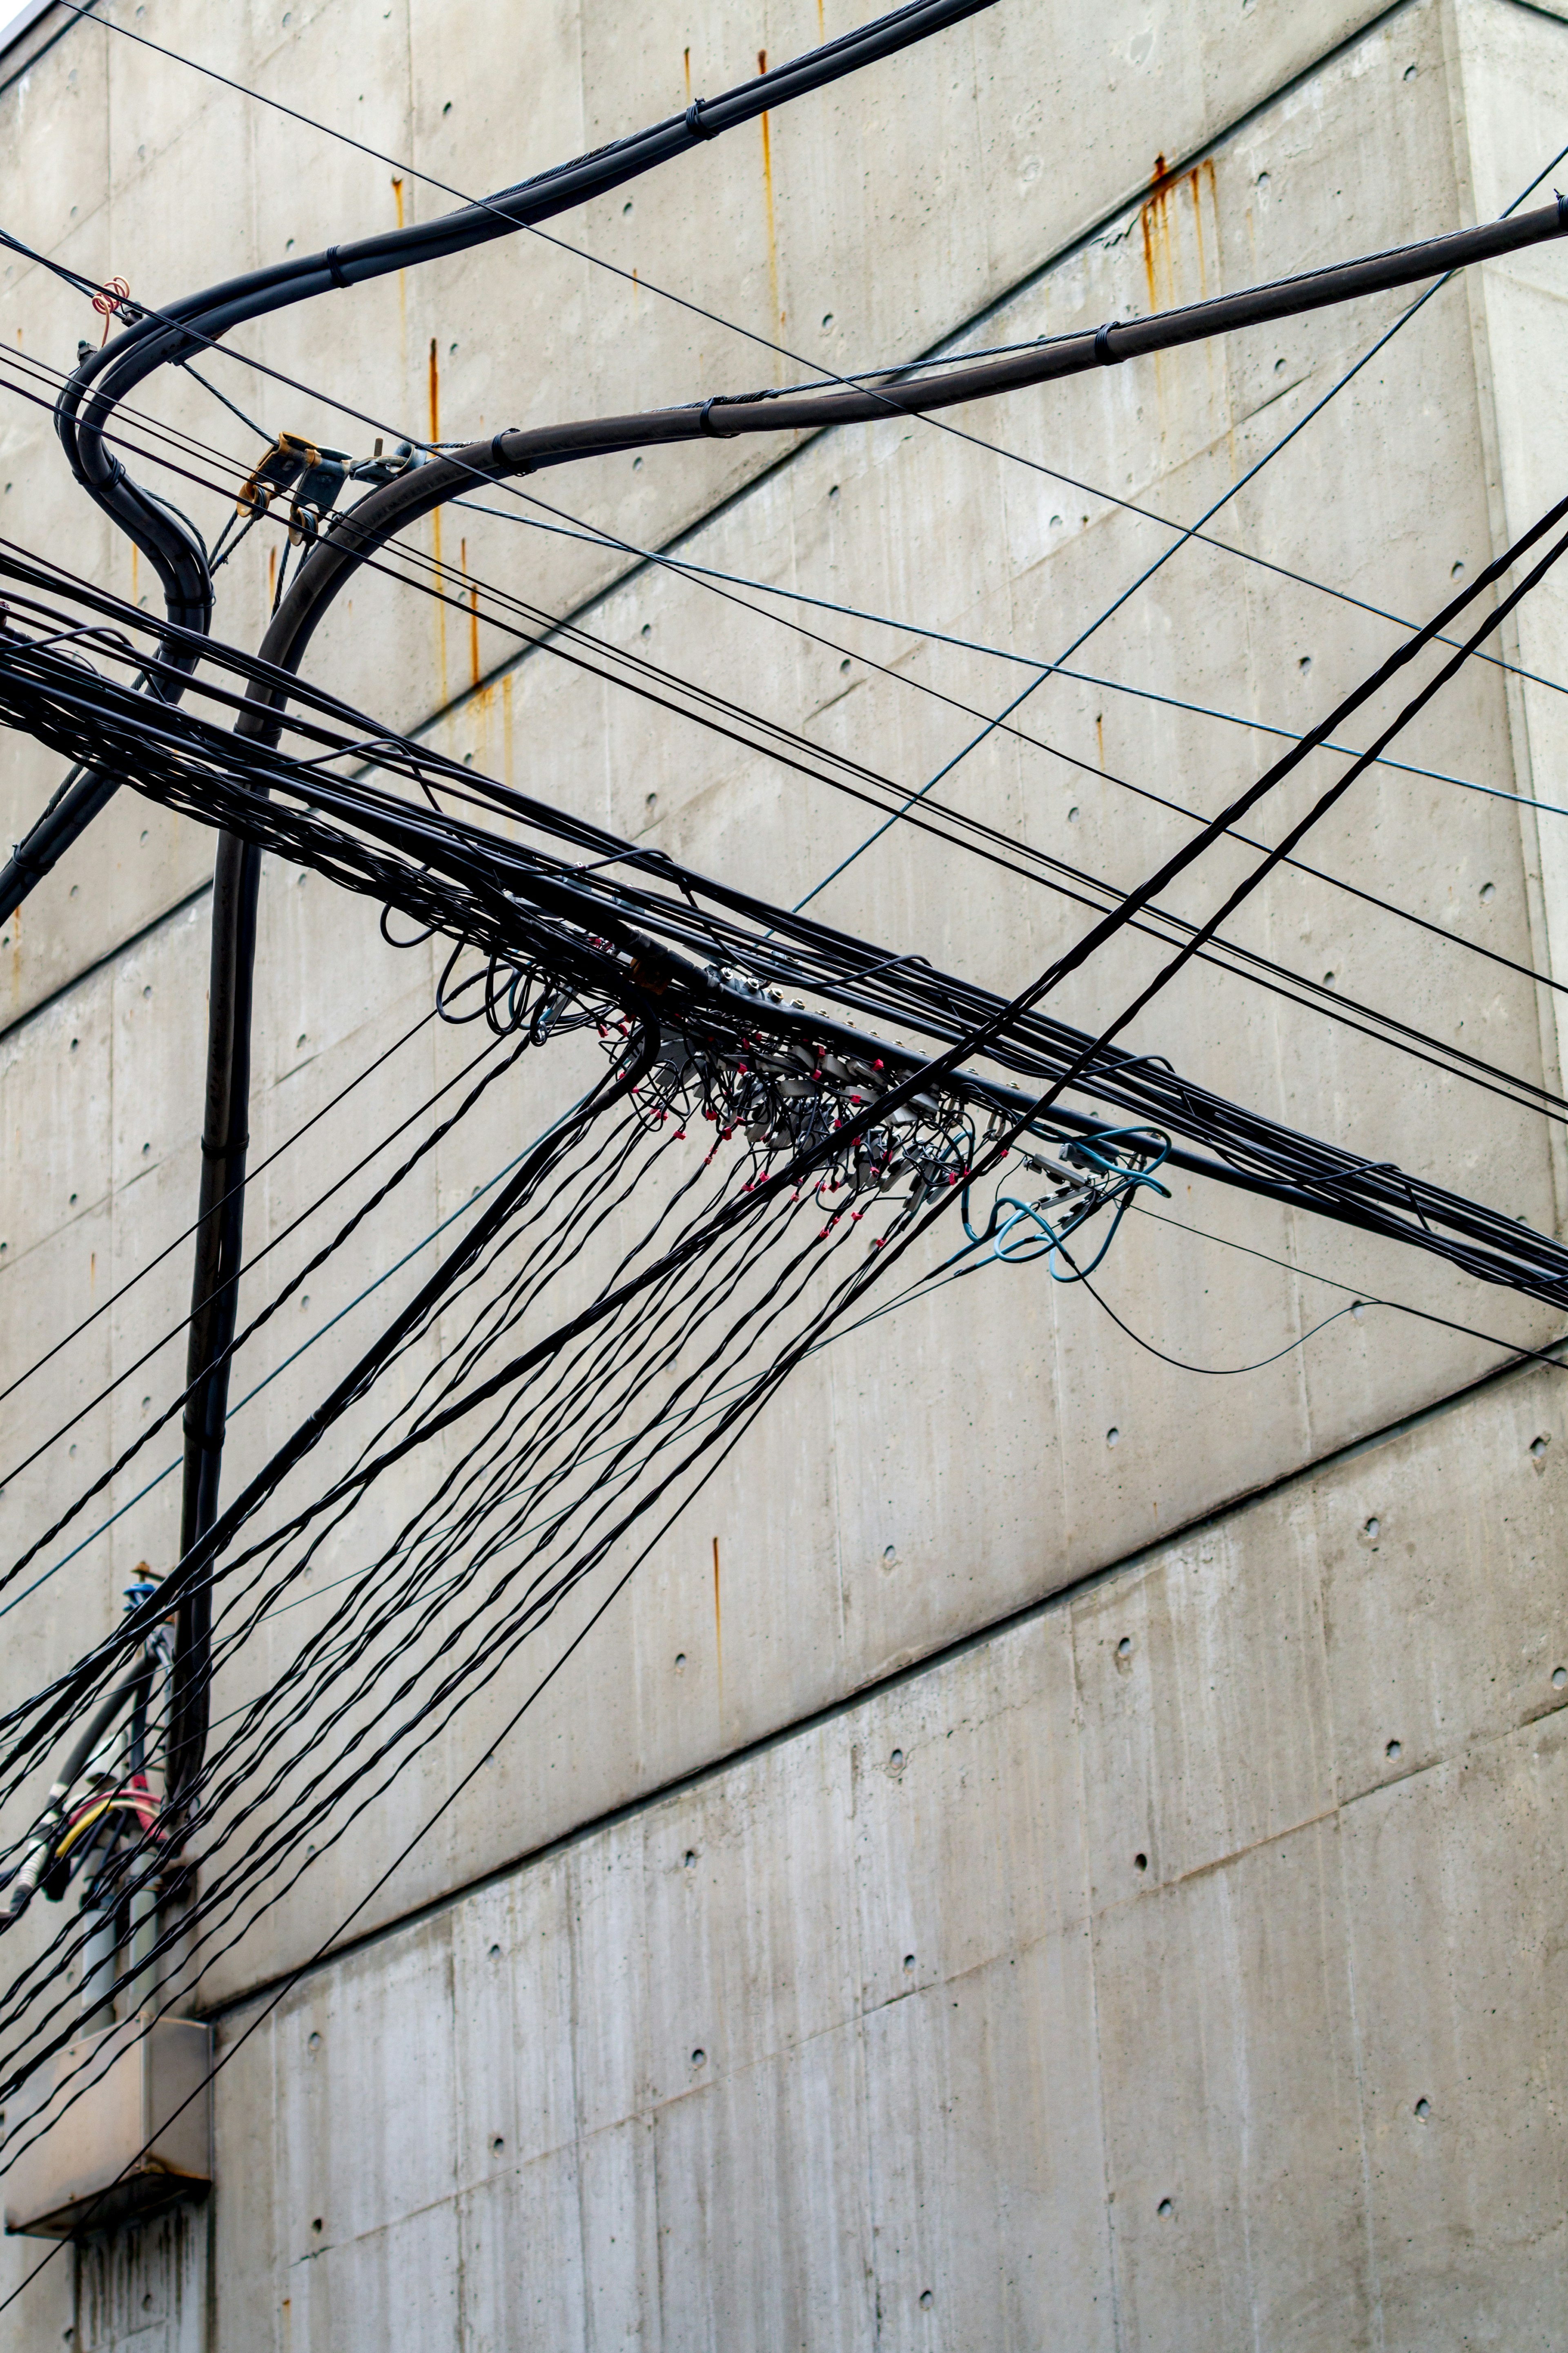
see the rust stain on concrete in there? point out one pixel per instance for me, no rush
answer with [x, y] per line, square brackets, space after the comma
[768, 200]
[718, 1624]
[443, 697]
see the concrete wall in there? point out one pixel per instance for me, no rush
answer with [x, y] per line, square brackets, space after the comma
[1180, 1964]
[1315, 1940]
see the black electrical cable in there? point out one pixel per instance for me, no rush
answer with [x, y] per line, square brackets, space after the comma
[1059, 875]
[938, 1006]
[863, 375]
[153, 338]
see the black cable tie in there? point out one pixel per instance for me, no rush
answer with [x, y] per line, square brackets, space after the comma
[705, 420]
[694, 119]
[335, 268]
[1561, 208]
[1103, 354]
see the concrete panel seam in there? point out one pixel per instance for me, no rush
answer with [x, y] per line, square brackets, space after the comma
[700, 1775]
[1021, 287]
[112, 955]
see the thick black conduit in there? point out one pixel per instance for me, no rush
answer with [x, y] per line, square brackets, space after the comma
[364, 528]
[82, 416]
[155, 339]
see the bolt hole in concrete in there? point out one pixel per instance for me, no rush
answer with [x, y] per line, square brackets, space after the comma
[147, 2303]
[927, 2299]
[890, 1556]
[1304, 664]
[1072, 816]
[699, 2058]
[896, 1760]
[689, 1859]
[497, 2146]
[316, 2225]
[1394, 1749]
[637, 465]
[314, 2042]
[1327, 980]
[909, 1965]
[647, 629]
[1423, 2109]
[1124, 1648]
[1113, 1436]
[1139, 1863]
[1558, 1677]
[844, 664]
[1488, 892]
[495, 1952]
[1537, 1447]
[1358, 1311]
[1372, 1529]
[680, 1663]
[827, 318]
[1164, 2210]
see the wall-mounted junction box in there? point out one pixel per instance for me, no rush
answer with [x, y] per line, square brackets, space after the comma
[124, 2129]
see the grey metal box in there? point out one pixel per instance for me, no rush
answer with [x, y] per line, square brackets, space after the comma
[126, 2118]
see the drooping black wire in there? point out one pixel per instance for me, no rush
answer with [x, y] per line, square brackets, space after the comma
[1087, 889]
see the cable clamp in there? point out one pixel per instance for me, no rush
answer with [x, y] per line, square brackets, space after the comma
[694, 123]
[498, 458]
[335, 268]
[1103, 354]
[1561, 208]
[705, 419]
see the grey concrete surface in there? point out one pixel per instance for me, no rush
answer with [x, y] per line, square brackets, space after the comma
[1106, 1981]
[1321, 1932]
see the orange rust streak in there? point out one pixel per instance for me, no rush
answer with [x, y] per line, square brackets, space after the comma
[718, 1629]
[436, 529]
[685, 60]
[397, 197]
[1100, 734]
[1198, 227]
[473, 612]
[768, 197]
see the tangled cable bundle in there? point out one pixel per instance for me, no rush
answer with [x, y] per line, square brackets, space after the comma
[746, 1162]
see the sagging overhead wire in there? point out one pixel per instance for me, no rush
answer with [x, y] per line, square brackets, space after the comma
[910, 366]
[552, 629]
[424, 862]
[521, 1602]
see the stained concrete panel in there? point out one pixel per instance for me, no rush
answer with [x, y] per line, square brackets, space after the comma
[677, 2083]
